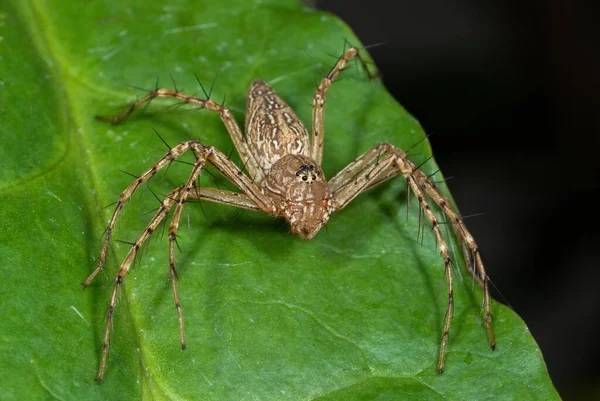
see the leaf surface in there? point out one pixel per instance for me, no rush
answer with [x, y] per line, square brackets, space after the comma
[353, 314]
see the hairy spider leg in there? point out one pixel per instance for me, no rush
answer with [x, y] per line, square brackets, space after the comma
[318, 114]
[203, 153]
[469, 248]
[372, 168]
[162, 212]
[167, 159]
[231, 125]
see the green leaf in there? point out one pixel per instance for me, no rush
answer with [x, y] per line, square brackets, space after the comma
[352, 314]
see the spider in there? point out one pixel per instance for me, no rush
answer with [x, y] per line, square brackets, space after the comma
[287, 181]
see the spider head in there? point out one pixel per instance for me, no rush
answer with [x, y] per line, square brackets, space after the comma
[297, 185]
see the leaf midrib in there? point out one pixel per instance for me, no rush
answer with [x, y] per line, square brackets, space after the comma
[43, 35]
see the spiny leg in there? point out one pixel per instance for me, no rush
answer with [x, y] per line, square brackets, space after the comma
[470, 249]
[375, 166]
[468, 246]
[198, 166]
[232, 172]
[221, 162]
[372, 158]
[468, 240]
[233, 128]
[201, 193]
[474, 267]
[318, 114]
[252, 194]
[443, 252]
[173, 154]
[164, 209]
[193, 192]
[223, 197]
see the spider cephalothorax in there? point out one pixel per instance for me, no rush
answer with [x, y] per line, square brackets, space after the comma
[285, 180]
[298, 187]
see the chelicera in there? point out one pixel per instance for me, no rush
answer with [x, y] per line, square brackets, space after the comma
[285, 180]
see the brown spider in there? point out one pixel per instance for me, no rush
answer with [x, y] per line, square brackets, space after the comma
[288, 182]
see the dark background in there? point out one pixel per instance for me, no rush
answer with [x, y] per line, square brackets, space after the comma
[508, 91]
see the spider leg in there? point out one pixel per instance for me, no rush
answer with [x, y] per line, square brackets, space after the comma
[228, 120]
[352, 170]
[233, 173]
[206, 154]
[318, 114]
[162, 212]
[215, 157]
[198, 166]
[470, 248]
[372, 168]
[373, 157]
[223, 197]
[193, 192]
[252, 198]
[167, 159]
[174, 226]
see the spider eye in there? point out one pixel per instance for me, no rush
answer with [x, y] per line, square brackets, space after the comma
[314, 177]
[304, 178]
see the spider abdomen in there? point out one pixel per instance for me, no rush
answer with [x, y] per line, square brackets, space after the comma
[272, 128]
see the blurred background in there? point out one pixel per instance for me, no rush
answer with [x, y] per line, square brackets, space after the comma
[508, 92]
